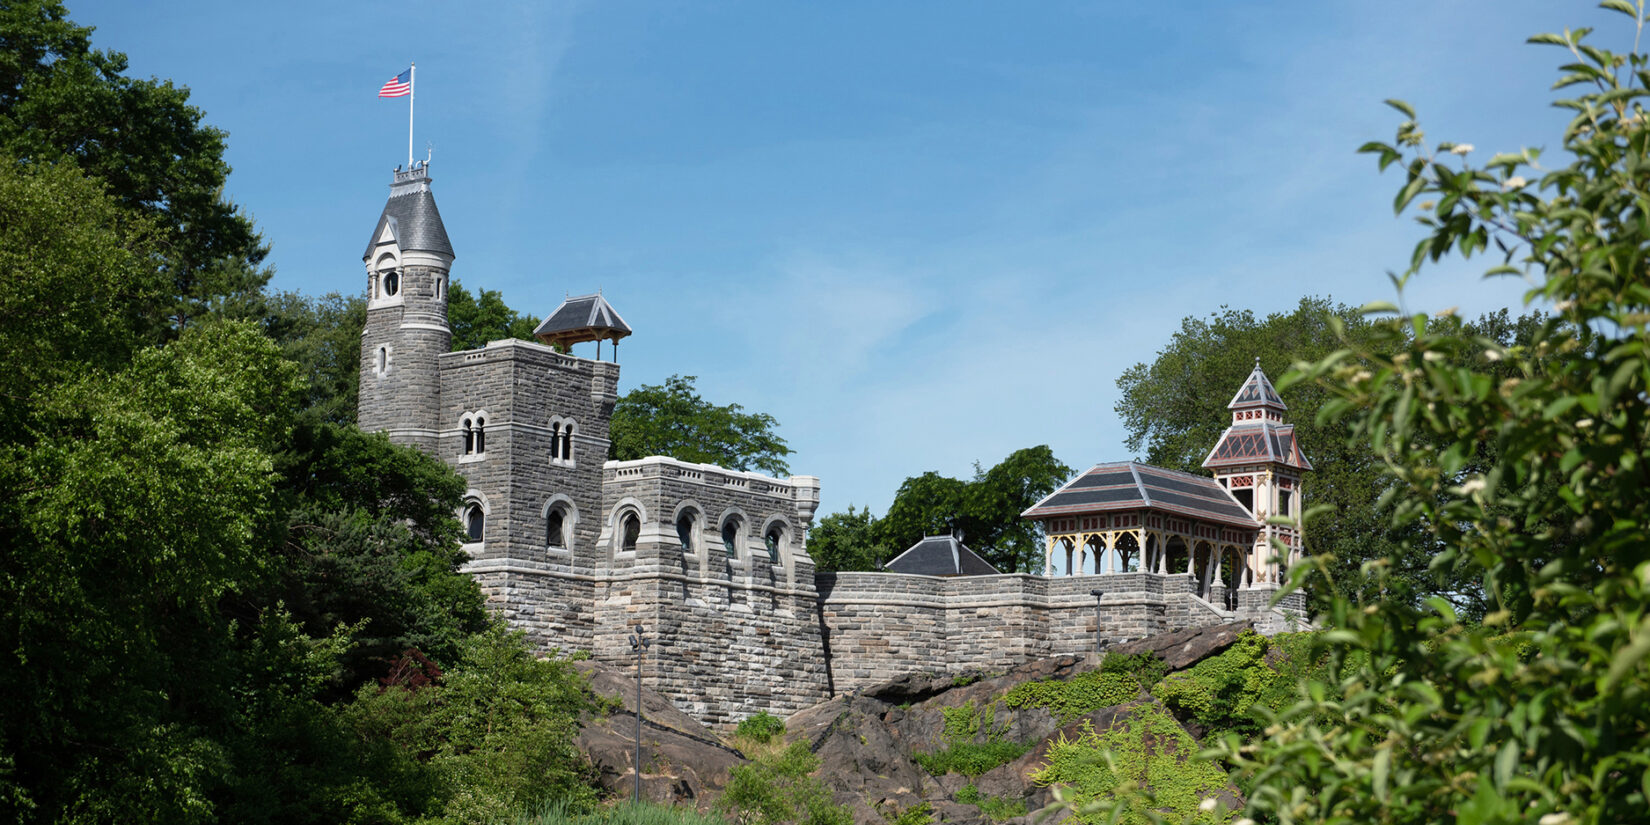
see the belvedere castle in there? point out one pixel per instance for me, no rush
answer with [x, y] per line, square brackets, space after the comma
[713, 564]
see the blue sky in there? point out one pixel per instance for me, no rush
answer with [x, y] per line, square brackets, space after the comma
[919, 234]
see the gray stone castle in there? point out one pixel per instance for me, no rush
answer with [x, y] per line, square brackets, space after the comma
[712, 564]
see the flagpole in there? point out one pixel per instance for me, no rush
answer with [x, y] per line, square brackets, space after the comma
[412, 92]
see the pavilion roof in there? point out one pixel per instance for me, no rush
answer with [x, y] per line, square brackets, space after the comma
[1130, 485]
[940, 556]
[582, 318]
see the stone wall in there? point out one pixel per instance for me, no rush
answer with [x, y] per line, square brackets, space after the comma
[733, 633]
[879, 625]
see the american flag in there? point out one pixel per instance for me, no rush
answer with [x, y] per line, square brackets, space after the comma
[399, 86]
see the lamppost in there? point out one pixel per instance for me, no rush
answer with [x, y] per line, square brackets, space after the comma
[1099, 640]
[639, 643]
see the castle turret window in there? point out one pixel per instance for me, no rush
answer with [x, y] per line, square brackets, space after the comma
[773, 539]
[730, 536]
[567, 443]
[481, 435]
[630, 530]
[392, 283]
[684, 531]
[555, 441]
[475, 522]
[555, 528]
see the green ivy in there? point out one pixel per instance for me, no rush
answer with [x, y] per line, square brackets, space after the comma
[997, 808]
[974, 742]
[1145, 751]
[1073, 698]
[1219, 691]
[971, 759]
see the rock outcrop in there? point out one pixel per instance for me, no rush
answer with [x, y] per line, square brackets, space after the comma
[868, 740]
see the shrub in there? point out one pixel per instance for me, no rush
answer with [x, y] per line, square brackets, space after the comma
[1146, 749]
[779, 789]
[761, 727]
[1146, 668]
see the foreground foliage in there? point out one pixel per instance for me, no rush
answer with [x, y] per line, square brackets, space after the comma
[1144, 750]
[1438, 719]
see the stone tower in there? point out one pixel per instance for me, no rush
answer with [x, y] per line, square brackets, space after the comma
[408, 260]
[1261, 463]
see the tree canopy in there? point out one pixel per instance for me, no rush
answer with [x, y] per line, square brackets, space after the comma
[986, 509]
[63, 101]
[671, 419]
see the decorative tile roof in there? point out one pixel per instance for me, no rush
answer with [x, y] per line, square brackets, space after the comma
[1257, 391]
[1258, 442]
[582, 318]
[1135, 486]
[940, 556]
[412, 217]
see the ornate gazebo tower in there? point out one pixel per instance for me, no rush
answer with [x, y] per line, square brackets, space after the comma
[1261, 463]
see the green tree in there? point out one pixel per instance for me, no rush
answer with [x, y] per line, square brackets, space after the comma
[323, 337]
[63, 101]
[82, 291]
[1538, 713]
[482, 317]
[846, 541]
[985, 508]
[673, 420]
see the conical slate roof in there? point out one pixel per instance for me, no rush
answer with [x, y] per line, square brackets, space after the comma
[412, 217]
[582, 318]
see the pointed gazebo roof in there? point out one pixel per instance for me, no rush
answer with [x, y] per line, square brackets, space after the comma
[1258, 434]
[1257, 391]
[582, 318]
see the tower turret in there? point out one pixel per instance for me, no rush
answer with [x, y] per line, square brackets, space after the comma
[1259, 460]
[408, 260]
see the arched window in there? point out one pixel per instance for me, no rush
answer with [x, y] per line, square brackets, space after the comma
[555, 528]
[630, 529]
[469, 437]
[567, 443]
[475, 522]
[684, 531]
[392, 283]
[481, 435]
[774, 538]
[730, 536]
[555, 440]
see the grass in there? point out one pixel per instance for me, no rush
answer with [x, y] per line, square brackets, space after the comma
[624, 813]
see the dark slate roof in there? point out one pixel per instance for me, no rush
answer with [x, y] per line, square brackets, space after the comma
[1135, 486]
[1257, 442]
[582, 318]
[412, 216]
[1257, 391]
[940, 556]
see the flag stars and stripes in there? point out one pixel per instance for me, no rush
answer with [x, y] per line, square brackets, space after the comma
[398, 86]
